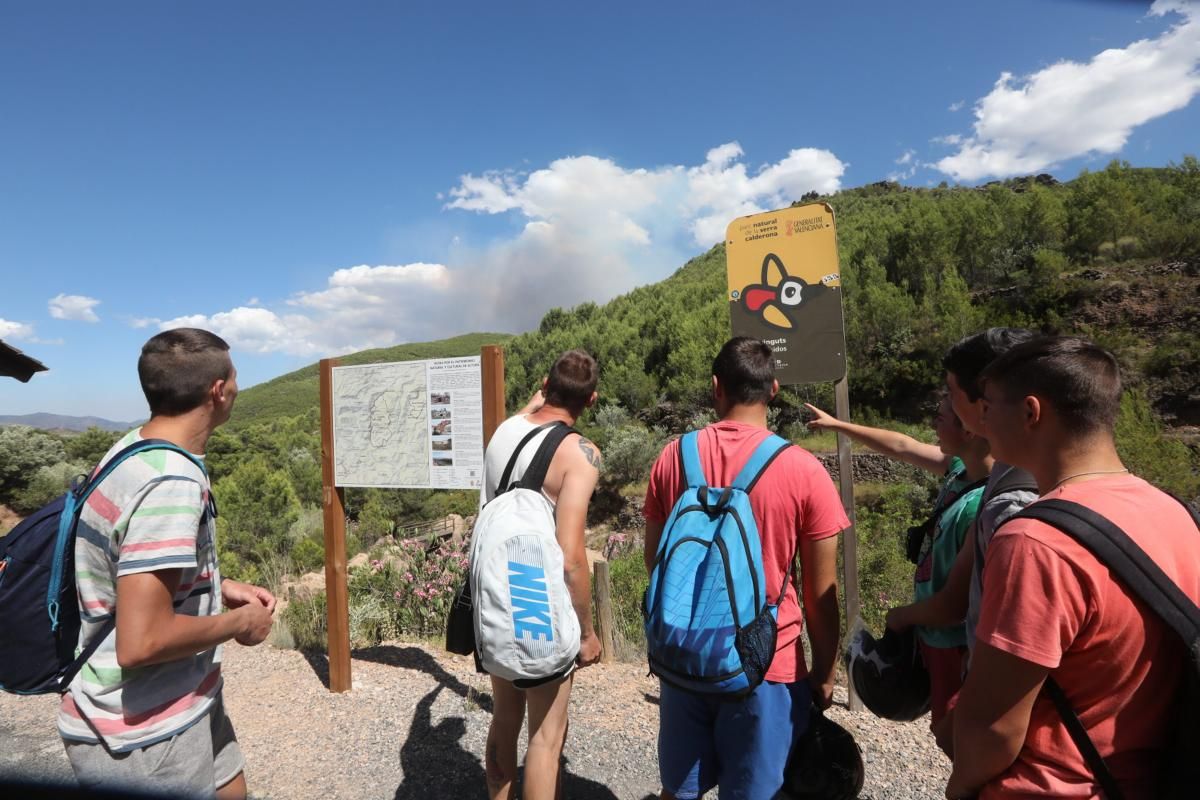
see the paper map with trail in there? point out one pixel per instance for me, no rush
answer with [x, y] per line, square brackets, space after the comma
[409, 424]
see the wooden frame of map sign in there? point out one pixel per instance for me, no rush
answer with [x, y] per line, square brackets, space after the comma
[333, 502]
[409, 424]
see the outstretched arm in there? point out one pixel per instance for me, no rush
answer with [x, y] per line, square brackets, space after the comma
[889, 443]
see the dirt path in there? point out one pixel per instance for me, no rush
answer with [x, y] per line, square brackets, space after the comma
[415, 723]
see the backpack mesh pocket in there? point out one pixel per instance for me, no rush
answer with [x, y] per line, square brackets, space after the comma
[755, 644]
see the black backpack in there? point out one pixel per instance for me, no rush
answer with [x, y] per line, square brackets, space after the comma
[1179, 775]
[39, 606]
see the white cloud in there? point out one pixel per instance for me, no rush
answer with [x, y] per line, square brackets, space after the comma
[949, 139]
[957, 106]
[361, 307]
[908, 160]
[74, 307]
[586, 191]
[15, 330]
[1072, 109]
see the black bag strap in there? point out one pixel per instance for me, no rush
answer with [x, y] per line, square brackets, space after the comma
[1015, 480]
[72, 669]
[1138, 572]
[926, 527]
[535, 475]
[503, 486]
[1087, 747]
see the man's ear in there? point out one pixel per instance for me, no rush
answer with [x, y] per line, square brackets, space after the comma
[545, 383]
[591, 401]
[1034, 411]
[774, 389]
[216, 392]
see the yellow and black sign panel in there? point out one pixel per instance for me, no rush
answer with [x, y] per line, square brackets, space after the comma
[785, 288]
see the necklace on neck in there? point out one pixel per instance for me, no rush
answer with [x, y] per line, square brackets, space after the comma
[1082, 474]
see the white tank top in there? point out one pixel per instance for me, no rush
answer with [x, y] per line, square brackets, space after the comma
[500, 449]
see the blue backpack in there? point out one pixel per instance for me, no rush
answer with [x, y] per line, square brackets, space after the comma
[39, 608]
[710, 628]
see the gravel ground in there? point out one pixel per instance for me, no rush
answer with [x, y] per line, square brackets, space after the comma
[414, 727]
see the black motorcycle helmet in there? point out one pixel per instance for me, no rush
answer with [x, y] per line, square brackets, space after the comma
[889, 675]
[825, 763]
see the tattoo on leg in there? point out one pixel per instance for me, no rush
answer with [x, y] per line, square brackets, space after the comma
[590, 452]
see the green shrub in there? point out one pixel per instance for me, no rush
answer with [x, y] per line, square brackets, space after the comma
[308, 555]
[46, 484]
[23, 450]
[629, 581]
[1167, 463]
[885, 576]
[307, 622]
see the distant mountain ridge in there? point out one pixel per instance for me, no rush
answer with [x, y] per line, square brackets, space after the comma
[64, 422]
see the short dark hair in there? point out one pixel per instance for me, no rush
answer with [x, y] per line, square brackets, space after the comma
[572, 380]
[178, 367]
[1079, 378]
[967, 359]
[745, 368]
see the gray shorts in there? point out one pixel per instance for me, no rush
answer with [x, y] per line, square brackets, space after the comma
[192, 763]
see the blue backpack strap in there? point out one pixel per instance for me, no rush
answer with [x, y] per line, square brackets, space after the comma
[689, 459]
[759, 460]
[73, 507]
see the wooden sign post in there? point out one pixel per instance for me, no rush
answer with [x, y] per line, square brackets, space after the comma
[337, 593]
[491, 364]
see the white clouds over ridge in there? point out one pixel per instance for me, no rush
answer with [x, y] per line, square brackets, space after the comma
[361, 307]
[1071, 109]
[592, 229]
[699, 199]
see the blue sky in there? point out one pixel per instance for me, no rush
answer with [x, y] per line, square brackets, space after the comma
[309, 179]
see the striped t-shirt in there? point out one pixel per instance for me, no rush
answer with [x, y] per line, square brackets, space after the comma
[148, 515]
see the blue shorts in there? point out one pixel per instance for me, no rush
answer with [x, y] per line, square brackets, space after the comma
[742, 746]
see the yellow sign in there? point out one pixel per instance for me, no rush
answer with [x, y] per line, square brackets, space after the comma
[785, 288]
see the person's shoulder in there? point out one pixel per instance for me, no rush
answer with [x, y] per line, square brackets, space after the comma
[585, 451]
[798, 458]
[152, 465]
[1034, 537]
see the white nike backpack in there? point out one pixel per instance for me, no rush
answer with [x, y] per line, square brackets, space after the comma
[525, 624]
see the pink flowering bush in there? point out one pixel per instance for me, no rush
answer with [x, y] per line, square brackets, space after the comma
[409, 593]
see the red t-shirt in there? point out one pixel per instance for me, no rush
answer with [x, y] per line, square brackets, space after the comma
[794, 498]
[1048, 601]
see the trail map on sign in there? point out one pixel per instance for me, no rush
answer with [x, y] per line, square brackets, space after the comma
[410, 424]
